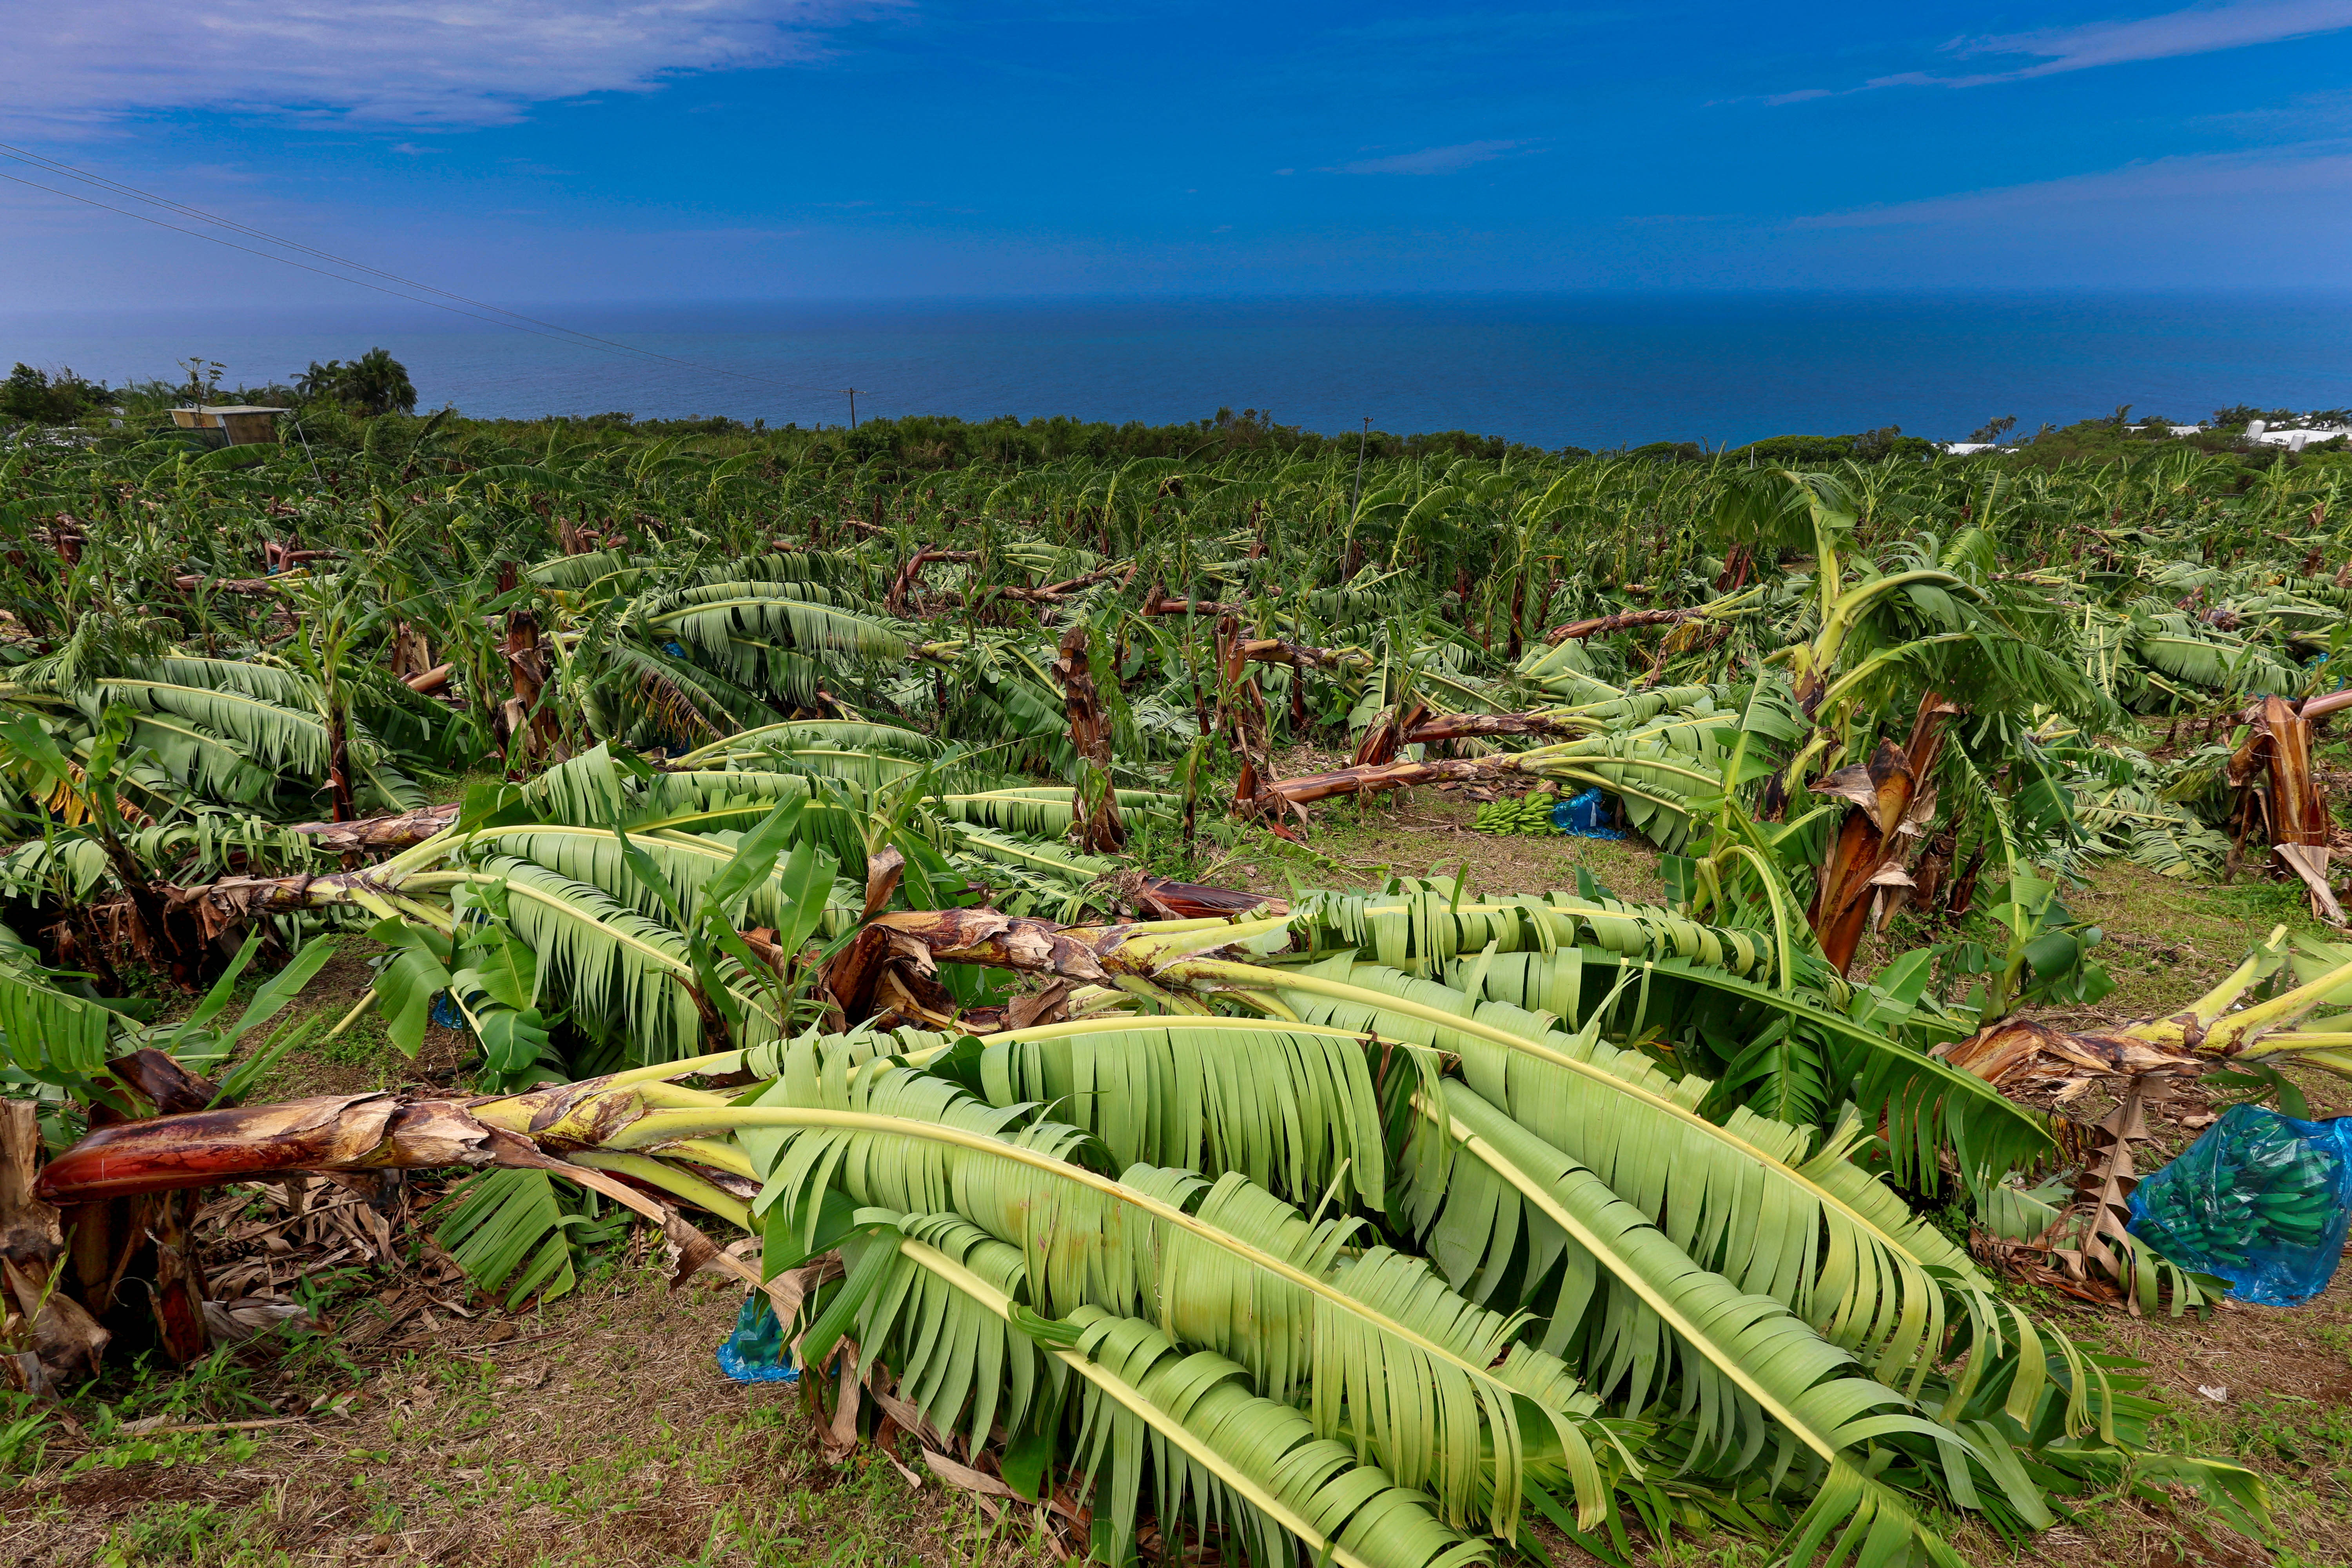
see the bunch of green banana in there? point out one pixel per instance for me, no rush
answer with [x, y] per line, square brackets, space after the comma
[1529, 813]
[2270, 1189]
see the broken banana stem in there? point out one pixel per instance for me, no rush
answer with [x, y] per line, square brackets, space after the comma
[346, 1132]
[386, 1131]
[334, 1133]
[2018, 1053]
[2199, 1015]
[665, 1177]
[2235, 1032]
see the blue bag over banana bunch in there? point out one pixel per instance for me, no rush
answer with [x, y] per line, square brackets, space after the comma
[756, 1352]
[1587, 816]
[2260, 1200]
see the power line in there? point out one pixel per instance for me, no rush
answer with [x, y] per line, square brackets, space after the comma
[176, 229]
[556, 331]
[118, 187]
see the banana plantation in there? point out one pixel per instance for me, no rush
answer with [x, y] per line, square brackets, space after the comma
[815, 845]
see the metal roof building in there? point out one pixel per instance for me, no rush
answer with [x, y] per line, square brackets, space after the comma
[241, 425]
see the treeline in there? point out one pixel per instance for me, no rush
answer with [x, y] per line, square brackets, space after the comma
[938, 443]
[337, 399]
[945, 441]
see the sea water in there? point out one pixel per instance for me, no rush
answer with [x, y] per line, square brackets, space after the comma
[1591, 370]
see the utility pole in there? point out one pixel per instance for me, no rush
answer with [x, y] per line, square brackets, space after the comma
[1360, 442]
[853, 405]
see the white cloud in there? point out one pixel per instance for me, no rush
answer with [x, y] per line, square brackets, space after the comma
[2269, 218]
[2199, 30]
[2201, 182]
[420, 62]
[1432, 160]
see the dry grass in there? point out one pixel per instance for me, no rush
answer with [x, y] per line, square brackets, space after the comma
[1361, 842]
[596, 1431]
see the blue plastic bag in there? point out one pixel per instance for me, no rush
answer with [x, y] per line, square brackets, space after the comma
[756, 1352]
[2260, 1200]
[1585, 816]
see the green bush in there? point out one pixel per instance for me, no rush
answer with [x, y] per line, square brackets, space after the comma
[38, 398]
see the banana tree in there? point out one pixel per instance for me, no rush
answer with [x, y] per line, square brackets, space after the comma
[281, 735]
[656, 914]
[1894, 799]
[2222, 1026]
[1385, 1223]
[117, 1273]
[1952, 632]
[2289, 802]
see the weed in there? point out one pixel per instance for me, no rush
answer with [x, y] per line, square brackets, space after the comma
[23, 1433]
[1717, 1550]
[322, 1292]
[2308, 1437]
[216, 1387]
[2265, 902]
[1157, 849]
[363, 1042]
[165, 1450]
[174, 1532]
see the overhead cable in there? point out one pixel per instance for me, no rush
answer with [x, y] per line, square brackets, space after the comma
[517, 321]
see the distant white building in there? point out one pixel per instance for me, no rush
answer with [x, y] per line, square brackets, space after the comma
[2295, 440]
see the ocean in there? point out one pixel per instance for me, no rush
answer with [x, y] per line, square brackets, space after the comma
[1591, 370]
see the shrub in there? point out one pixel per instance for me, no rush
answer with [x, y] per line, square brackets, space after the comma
[38, 398]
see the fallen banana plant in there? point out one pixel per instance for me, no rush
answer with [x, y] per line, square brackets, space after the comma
[1177, 1242]
[2288, 802]
[2021, 1056]
[1661, 771]
[2079, 1243]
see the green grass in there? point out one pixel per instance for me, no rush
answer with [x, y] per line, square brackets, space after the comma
[2167, 941]
[599, 1435]
[2305, 1448]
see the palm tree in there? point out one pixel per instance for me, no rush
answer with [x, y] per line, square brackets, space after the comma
[379, 383]
[320, 380]
[373, 383]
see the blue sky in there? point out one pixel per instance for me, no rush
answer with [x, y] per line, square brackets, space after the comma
[548, 151]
